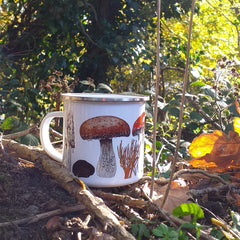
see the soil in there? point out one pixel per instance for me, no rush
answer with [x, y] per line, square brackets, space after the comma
[26, 191]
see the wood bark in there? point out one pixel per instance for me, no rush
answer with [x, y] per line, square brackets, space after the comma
[73, 185]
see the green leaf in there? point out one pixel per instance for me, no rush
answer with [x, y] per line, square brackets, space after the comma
[9, 123]
[236, 221]
[29, 139]
[174, 112]
[134, 229]
[140, 229]
[143, 231]
[160, 231]
[186, 209]
[173, 234]
[196, 115]
[208, 90]
[103, 88]
[192, 126]
[197, 83]
[188, 225]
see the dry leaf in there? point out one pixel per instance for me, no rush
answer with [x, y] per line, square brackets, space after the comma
[204, 144]
[215, 150]
[177, 194]
[237, 106]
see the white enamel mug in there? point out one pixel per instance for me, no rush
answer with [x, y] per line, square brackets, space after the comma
[103, 137]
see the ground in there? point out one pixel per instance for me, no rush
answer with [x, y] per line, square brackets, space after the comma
[26, 190]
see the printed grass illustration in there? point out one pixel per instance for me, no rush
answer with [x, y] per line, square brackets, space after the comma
[129, 156]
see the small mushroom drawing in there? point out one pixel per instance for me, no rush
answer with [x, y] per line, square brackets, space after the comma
[82, 168]
[104, 128]
[138, 126]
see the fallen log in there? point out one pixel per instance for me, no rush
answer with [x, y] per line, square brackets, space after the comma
[73, 185]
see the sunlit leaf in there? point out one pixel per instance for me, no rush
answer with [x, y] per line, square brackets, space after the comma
[186, 209]
[203, 144]
[196, 163]
[216, 150]
[236, 125]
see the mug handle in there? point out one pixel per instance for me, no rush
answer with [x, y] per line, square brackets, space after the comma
[45, 138]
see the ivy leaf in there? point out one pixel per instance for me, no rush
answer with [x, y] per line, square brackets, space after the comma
[29, 139]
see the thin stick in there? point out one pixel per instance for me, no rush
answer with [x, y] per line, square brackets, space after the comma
[155, 113]
[173, 166]
[21, 133]
[41, 216]
[187, 172]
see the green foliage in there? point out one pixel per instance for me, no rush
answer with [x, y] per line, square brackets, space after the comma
[80, 38]
[139, 229]
[14, 125]
[235, 222]
[192, 209]
[167, 233]
[186, 209]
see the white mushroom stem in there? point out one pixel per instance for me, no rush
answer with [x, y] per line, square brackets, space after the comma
[106, 166]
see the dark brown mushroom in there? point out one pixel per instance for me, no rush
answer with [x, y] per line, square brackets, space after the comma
[105, 128]
[82, 168]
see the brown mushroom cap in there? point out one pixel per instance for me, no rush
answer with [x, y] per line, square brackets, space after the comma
[104, 127]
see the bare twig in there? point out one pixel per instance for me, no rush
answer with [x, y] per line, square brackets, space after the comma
[195, 192]
[182, 106]
[33, 129]
[182, 172]
[150, 207]
[155, 113]
[41, 216]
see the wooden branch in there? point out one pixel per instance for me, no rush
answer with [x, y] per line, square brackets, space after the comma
[33, 129]
[74, 186]
[150, 207]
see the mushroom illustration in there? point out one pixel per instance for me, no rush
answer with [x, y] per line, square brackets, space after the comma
[105, 128]
[138, 125]
[82, 168]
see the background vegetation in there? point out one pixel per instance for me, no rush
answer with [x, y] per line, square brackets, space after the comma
[49, 47]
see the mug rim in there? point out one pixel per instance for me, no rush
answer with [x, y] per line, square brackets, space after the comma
[105, 97]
